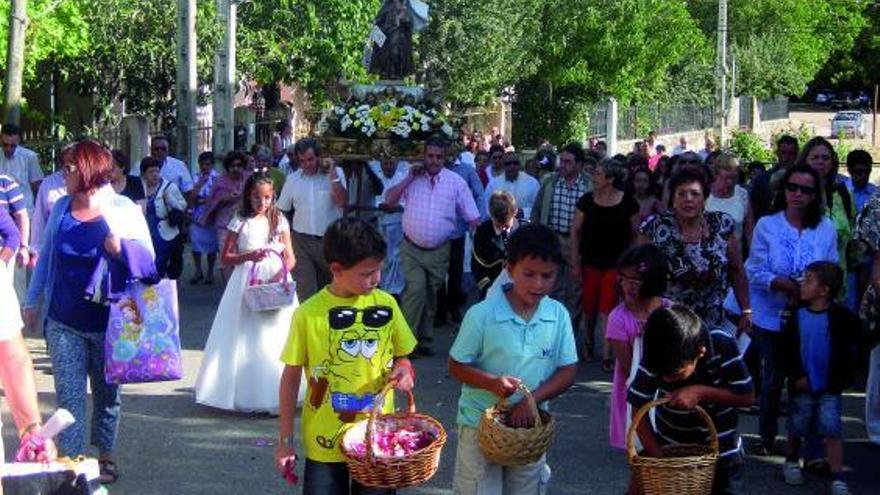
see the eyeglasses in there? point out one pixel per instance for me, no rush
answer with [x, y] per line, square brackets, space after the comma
[159, 148]
[8, 146]
[68, 169]
[496, 157]
[792, 187]
[372, 317]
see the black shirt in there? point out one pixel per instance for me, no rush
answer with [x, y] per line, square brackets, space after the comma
[606, 232]
[134, 188]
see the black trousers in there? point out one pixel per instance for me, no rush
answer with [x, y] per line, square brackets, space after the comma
[451, 298]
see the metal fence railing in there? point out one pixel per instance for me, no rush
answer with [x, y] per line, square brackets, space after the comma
[597, 125]
[637, 121]
[773, 109]
[745, 112]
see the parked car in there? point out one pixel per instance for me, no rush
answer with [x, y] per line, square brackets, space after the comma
[823, 97]
[844, 99]
[849, 123]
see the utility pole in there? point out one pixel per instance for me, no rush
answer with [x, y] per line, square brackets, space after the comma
[224, 80]
[721, 74]
[15, 61]
[186, 82]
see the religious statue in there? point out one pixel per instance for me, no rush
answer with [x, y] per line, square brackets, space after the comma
[389, 50]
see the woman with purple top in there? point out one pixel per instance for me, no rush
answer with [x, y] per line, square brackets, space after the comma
[95, 241]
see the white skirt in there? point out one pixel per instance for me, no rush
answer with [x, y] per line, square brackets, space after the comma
[241, 366]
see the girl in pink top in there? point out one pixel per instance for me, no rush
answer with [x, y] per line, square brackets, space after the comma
[642, 275]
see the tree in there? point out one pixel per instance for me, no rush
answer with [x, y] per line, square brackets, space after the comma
[780, 45]
[54, 29]
[479, 48]
[130, 55]
[591, 50]
[313, 43]
[15, 62]
[858, 66]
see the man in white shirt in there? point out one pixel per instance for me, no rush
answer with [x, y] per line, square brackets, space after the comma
[51, 190]
[390, 172]
[682, 146]
[20, 163]
[316, 193]
[708, 149]
[173, 170]
[523, 186]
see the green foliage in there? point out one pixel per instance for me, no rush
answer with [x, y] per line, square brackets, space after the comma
[856, 66]
[309, 42]
[749, 147]
[780, 45]
[131, 54]
[479, 48]
[802, 133]
[56, 28]
[631, 49]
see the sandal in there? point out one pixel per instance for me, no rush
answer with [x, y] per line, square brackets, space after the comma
[108, 472]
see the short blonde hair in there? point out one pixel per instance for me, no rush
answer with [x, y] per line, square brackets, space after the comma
[725, 162]
[502, 206]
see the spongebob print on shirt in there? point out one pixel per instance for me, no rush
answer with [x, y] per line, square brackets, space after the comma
[347, 349]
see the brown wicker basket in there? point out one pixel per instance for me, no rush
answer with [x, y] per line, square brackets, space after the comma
[393, 472]
[509, 446]
[684, 469]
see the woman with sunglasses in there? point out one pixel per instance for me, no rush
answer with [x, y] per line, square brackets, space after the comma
[784, 243]
[94, 242]
[220, 205]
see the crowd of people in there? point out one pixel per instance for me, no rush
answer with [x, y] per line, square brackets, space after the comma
[690, 276]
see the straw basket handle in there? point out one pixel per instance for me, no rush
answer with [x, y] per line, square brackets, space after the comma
[377, 409]
[530, 400]
[284, 280]
[640, 415]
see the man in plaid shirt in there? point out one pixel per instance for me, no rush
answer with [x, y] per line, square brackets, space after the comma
[554, 207]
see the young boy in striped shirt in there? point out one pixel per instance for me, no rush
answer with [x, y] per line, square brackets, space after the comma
[689, 365]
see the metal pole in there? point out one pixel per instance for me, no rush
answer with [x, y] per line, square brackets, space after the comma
[15, 61]
[186, 81]
[721, 73]
[874, 118]
[224, 80]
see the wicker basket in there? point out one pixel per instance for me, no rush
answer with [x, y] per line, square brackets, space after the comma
[393, 472]
[685, 469]
[509, 446]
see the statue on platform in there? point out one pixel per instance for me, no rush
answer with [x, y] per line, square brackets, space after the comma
[389, 50]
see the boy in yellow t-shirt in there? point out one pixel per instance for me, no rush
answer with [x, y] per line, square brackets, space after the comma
[350, 339]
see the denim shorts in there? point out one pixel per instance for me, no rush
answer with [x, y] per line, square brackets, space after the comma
[822, 410]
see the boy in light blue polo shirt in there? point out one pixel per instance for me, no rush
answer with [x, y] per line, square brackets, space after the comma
[518, 335]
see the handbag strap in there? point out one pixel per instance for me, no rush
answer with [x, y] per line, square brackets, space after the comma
[253, 271]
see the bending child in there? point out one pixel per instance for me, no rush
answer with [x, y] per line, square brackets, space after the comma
[684, 362]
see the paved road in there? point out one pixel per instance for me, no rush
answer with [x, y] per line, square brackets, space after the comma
[169, 445]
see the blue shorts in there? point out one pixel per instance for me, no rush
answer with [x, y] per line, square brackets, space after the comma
[822, 411]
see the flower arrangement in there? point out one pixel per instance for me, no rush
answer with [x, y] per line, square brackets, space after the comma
[393, 117]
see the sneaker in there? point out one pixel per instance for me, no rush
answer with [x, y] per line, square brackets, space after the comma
[792, 472]
[839, 487]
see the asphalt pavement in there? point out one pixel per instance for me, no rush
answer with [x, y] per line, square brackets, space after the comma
[169, 445]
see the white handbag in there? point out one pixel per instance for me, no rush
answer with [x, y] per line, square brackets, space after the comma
[269, 296]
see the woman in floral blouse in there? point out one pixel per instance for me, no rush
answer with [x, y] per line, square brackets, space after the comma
[702, 250]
